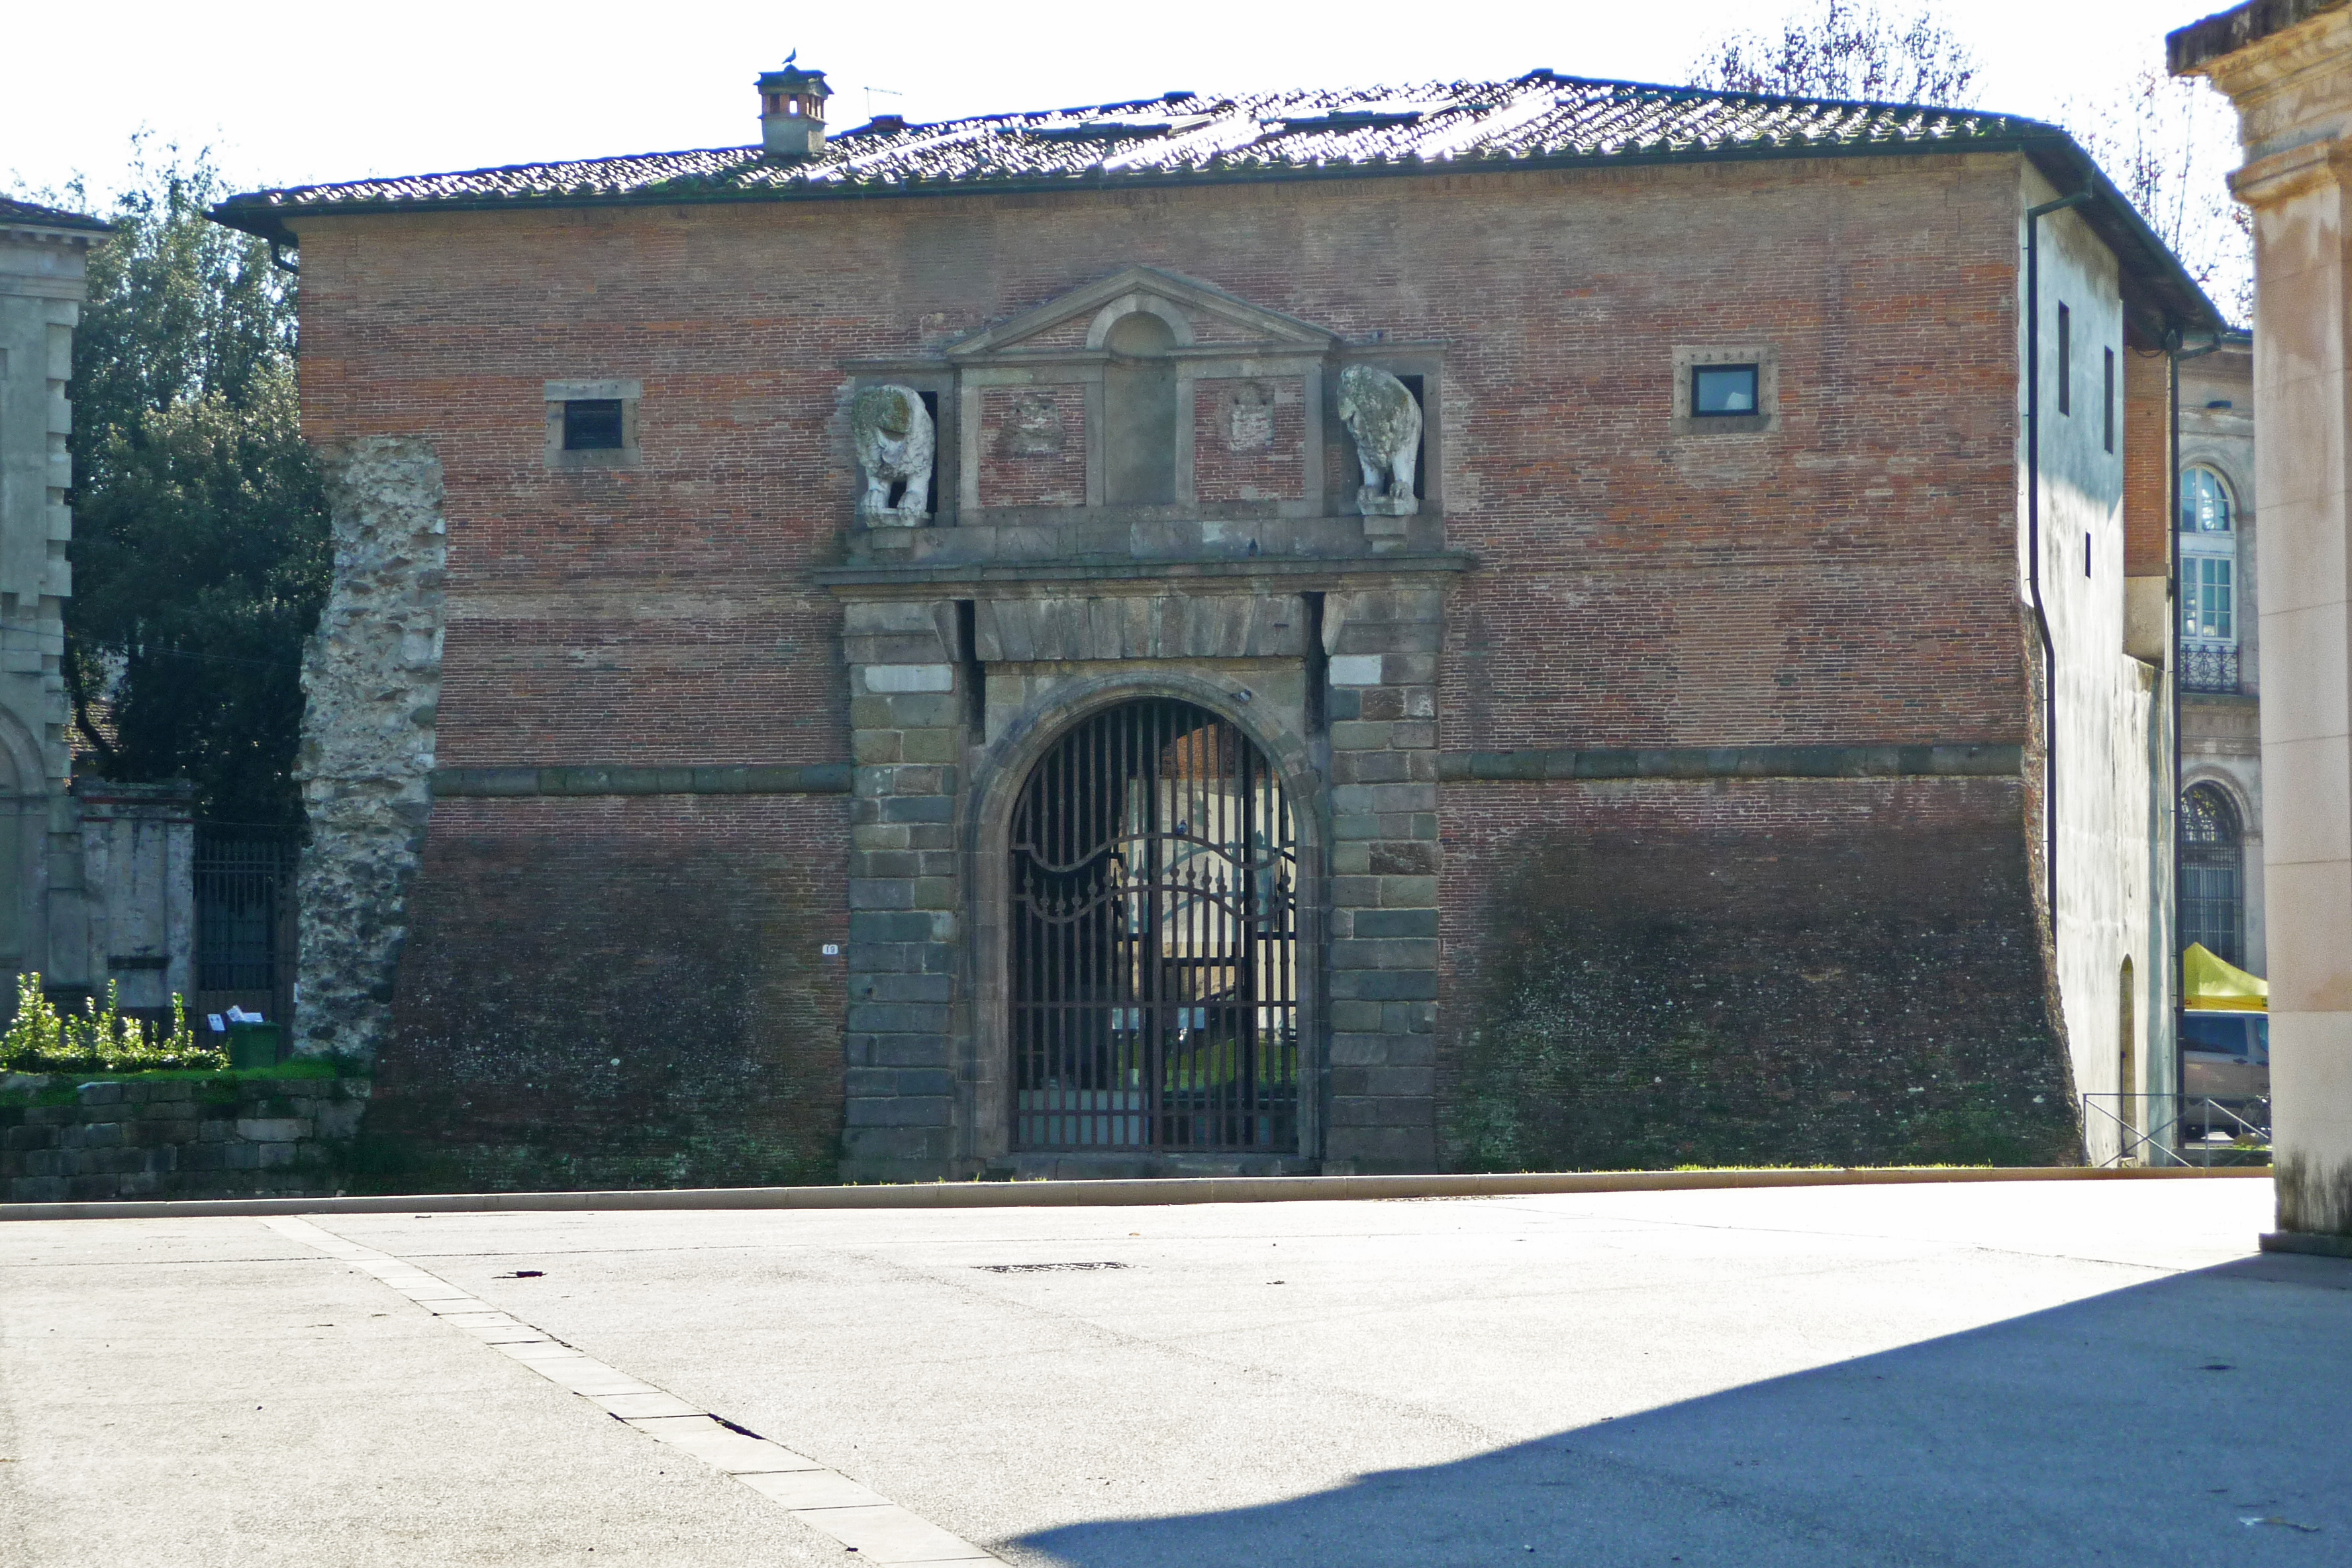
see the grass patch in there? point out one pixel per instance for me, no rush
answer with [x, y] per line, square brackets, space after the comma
[220, 1083]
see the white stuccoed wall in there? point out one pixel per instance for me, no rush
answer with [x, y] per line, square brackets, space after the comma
[2113, 722]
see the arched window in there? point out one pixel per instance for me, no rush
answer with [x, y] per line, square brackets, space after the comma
[2208, 583]
[2213, 873]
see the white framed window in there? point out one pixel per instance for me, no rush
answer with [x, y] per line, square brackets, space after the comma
[2208, 559]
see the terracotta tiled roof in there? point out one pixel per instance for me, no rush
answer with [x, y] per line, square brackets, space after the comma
[1538, 119]
[33, 215]
[1537, 116]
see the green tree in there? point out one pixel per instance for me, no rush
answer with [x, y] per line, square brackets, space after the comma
[200, 550]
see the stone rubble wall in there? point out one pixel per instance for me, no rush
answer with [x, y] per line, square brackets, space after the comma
[179, 1138]
[372, 678]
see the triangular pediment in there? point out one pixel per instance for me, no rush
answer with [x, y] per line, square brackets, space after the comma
[1213, 318]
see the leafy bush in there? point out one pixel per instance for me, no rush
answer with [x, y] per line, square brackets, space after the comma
[42, 1039]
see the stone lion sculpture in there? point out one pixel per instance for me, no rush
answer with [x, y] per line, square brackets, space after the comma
[891, 432]
[1381, 413]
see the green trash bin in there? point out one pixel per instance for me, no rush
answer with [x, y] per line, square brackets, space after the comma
[253, 1045]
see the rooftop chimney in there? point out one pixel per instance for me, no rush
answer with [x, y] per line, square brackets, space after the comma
[791, 110]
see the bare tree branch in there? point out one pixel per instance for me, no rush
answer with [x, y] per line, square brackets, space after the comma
[1846, 50]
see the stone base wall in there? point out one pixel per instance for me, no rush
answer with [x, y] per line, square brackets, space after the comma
[178, 1138]
[617, 992]
[1649, 974]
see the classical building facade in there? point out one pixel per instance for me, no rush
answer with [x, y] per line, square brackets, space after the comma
[2221, 673]
[95, 881]
[1526, 623]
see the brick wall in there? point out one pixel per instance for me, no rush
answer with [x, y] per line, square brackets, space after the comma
[1032, 447]
[1247, 438]
[1847, 579]
[1654, 974]
[2147, 465]
[617, 993]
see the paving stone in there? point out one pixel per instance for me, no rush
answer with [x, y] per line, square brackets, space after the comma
[629, 1406]
[542, 1349]
[594, 1380]
[815, 1488]
[722, 1448]
[887, 1533]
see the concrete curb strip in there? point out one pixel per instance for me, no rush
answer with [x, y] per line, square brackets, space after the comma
[1109, 1193]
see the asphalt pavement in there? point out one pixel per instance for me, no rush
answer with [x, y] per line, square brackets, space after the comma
[2000, 1374]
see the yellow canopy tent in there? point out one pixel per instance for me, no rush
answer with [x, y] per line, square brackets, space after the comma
[2211, 986]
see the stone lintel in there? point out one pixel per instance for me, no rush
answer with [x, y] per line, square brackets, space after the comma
[1173, 575]
[1140, 626]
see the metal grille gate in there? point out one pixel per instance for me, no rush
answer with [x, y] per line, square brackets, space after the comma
[1155, 940]
[245, 922]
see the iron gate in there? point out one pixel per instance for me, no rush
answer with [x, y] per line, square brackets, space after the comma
[245, 922]
[1154, 942]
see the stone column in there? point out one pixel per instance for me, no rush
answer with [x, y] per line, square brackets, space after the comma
[44, 256]
[907, 707]
[2286, 66]
[1382, 656]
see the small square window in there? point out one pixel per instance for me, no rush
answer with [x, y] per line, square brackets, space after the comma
[592, 424]
[1718, 391]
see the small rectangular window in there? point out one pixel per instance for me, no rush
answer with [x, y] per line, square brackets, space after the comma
[2110, 400]
[1722, 391]
[592, 424]
[2065, 360]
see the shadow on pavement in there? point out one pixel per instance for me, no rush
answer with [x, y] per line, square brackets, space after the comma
[2149, 1425]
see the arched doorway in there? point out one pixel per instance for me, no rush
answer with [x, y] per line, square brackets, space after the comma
[2213, 873]
[2127, 1061]
[1153, 953]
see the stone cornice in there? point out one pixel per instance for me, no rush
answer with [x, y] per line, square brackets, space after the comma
[1964, 761]
[1734, 762]
[511, 783]
[2195, 49]
[1271, 573]
[2281, 176]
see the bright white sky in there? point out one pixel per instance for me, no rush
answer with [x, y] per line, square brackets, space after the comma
[288, 93]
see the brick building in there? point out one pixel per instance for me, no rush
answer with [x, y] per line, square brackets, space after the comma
[1489, 624]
